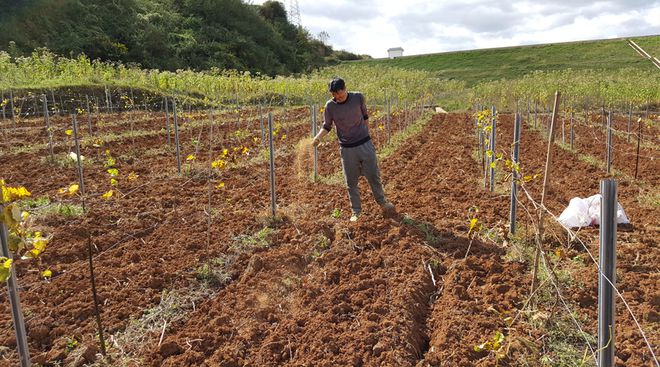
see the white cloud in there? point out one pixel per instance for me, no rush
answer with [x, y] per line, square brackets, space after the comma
[371, 27]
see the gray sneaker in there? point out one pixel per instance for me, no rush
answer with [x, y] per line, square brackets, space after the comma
[387, 206]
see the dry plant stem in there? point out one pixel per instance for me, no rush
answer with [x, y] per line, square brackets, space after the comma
[94, 294]
[162, 334]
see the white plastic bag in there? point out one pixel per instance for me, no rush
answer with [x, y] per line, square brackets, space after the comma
[586, 212]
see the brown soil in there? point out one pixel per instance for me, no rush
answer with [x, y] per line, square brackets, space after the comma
[395, 291]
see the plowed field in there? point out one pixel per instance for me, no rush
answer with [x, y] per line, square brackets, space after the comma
[310, 288]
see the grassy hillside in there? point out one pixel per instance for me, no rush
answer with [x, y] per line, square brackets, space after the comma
[513, 62]
[167, 34]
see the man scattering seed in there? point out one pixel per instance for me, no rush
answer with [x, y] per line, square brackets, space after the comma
[348, 111]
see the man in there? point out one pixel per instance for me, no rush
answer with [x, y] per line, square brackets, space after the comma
[348, 112]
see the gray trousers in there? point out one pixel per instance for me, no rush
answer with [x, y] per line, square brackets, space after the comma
[361, 161]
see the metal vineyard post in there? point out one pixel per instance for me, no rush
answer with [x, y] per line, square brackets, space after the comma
[492, 150]
[316, 157]
[572, 137]
[2, 100]
[89, 116]
[15, 301]
[609, 142]
[514, 173]
[48, 130]
[272, 165]
[11, 107]
[261, 123]
[607, 276]
[389, 132]
[35, 106]
[176, 137]
[79, 160]
[52, 96]
[629, 121]
[167, 121]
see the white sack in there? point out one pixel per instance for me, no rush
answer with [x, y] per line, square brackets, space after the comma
[586, 212]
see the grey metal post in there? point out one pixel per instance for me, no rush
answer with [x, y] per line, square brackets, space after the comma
[2, 99]
[11, 106]
[36, 105]
[15, 301]
[316, 152]
[48, 130]
[492, 149]
[639, 139]
[79, 160]
[167, 121]
[261, 123]
[609, 142]
[514, 174]
[629, 122]
[572, 137]
[536, 112]
[110, 101]
[55, 108]
[89, 116]
[176, 137]
[389, 131]
[107, 102]
[563, 129]
[608, 209]
[273, 198]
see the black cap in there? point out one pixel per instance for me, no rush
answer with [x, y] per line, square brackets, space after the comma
[336, 84]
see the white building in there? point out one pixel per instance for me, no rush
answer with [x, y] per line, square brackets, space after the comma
[394, 52]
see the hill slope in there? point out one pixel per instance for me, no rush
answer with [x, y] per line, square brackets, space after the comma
[512, 62]
[166, 34]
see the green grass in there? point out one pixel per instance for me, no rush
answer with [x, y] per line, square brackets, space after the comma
[513, 62]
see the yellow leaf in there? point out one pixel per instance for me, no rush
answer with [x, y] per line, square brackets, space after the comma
[132, 176]
[107, 195]
[5, 269]
[493, 165]
[47, 273]
[68, 132]
[190, 157]
[73, 189]
[473, 223]
[221, 185]
[9, 216]
[5, 262]
[113, 182]
[113, 172]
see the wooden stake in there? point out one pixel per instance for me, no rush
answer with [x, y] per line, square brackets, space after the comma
[546, 184]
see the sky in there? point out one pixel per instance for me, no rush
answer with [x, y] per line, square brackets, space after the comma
[420, 27]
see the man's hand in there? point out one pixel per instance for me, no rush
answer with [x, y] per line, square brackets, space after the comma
[316, 142]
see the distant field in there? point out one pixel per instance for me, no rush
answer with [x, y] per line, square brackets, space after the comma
[513, 62]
